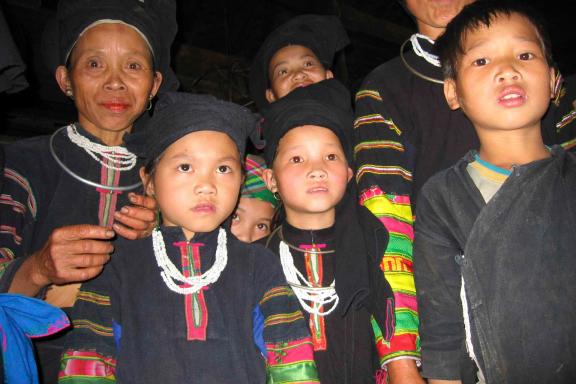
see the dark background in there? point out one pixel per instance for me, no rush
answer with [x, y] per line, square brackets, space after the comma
[217, 40]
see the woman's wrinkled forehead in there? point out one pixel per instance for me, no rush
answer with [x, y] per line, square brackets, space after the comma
[108, 21]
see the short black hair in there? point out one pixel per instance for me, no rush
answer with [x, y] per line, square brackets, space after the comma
[482, 13]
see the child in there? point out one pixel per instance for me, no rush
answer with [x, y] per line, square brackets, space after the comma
[252, 219]
[494, 249]
[177, 306]
[331, 266]
[296, 54]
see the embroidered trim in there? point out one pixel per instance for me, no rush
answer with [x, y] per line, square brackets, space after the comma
[24, 183]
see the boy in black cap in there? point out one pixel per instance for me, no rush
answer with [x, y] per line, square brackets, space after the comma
[177, 306]
[329, 246]
[296, 54]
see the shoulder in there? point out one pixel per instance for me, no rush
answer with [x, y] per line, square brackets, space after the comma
[442, 184]
[390, 72]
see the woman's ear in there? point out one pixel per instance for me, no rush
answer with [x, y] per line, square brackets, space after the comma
[270, 180]
[63, 80]
[450, 94]
[147, 182]
[156, 84]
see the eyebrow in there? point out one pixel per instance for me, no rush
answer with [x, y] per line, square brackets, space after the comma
[192, 157]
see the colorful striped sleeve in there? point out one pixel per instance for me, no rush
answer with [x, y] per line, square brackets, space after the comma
[90, 351]
[290, 354]
[18, 209]
[384, 163]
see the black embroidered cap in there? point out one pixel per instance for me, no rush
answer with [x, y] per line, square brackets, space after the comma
[325, 104]
[323, 34]
[178, 114]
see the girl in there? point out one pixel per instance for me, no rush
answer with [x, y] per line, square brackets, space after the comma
[332, 268]
[177, 306]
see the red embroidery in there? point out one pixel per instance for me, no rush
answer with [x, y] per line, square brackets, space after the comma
[195, 304]
[315, 274]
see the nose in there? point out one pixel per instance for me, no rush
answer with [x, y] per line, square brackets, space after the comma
[115, 80]
[300, 74]
[205, 186]
[317, 173]
[508, 72]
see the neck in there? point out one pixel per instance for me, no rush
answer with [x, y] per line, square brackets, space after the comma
[431, 32]
[507, 149]
[311, 221]
[110, 138]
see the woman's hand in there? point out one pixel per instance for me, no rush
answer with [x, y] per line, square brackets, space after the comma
[72, 254]
[137, 220]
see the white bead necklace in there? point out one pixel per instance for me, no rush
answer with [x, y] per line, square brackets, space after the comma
[429, 57]
[117, 158]
[170, 273]
[318, 296]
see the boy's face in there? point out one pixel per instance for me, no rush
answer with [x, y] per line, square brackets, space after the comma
[291, 67]
[504, 81]
[197, 185]
[252, 219]
[310, 173]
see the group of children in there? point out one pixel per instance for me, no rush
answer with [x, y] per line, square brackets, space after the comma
[195, 302]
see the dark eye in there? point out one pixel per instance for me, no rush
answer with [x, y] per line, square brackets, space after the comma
[224, 169]
[184, 168]
[134, 66]
[480, 62]
[262, 227]
[93, 64]
[526, 56]
[308, 63]
[296, 159]
[332, 157]
[235, 217]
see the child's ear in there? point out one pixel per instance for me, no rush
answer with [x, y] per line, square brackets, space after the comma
[350, 174]
[329, 74]
[270, 96]
[270, 180]
[147, 182]
[450, 94]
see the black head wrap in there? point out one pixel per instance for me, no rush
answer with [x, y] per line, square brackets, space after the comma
[325, 104]
[178, 114]
[322, 34]
[154, 19]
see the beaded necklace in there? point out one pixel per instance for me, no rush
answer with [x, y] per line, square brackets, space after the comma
[305, 292]
[193, 284]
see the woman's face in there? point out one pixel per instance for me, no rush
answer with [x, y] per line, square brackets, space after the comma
[110, 78]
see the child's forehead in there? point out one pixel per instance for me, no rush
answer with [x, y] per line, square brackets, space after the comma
[305, 134]
[205, 141]
[501, 25]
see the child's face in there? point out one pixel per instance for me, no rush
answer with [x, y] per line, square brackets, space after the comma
[197, 185]
[504, 81]
[252, 219]
[291, 67]
[310, 173]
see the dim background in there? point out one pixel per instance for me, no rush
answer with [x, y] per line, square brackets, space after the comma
[215, 44]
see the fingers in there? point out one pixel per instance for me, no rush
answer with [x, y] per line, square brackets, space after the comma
[82, 274]
[143, 201]
[80, 232]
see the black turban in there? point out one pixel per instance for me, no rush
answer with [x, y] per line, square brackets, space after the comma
[322, 34]
[155, 19]
[325, 104]
[178, 114]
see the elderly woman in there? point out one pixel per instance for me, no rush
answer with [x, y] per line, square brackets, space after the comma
[67, 196]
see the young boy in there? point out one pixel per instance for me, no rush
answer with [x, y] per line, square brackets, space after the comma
[495, 234]
[329, 246]
[296, 54]
[177, 306]
[252, 219]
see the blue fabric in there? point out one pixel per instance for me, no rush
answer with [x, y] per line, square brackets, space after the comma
[258, 330]
[117, 328]
[23, 318]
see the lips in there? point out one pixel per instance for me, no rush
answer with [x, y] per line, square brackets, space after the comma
[318, 189]
[204, 208]
[116, 107]
[512, 96]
